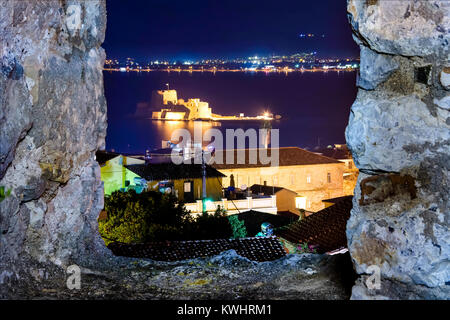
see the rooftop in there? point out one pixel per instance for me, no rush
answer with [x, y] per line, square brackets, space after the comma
[288, 156]
[171, 171]
[103, 156]
[341, 152]
[267, 190]
[338, 199]
[256, 249]
[325, 228]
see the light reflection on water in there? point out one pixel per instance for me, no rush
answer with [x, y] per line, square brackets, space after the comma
[167, 130]
[313, 106]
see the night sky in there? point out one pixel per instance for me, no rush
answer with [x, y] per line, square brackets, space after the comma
[193, 29]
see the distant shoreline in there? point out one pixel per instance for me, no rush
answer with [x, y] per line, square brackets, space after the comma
[236, 70]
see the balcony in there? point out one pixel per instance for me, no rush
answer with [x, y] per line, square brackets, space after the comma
[263, 204]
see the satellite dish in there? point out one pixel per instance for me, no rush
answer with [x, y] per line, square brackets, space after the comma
[244, 187]
[168, 190]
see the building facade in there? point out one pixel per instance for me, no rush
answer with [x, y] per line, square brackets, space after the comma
[115, 175]
[313, 177]
[342, 153]
[286, 200]
[183, 180]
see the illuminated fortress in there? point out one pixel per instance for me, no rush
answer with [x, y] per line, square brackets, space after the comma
[173, 108]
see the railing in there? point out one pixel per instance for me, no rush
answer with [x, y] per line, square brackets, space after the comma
[265, 204]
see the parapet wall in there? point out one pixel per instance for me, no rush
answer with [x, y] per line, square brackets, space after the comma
[399, 136]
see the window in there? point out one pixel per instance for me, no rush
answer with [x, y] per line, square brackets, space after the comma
[309, 204]
[350, 165]
[187, 186]
[329, 177]
[300, 202]
[308, 179]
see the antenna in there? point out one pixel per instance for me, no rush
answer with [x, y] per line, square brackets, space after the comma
[203, 184]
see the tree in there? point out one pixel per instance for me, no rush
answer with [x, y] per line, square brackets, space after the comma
[148, 216]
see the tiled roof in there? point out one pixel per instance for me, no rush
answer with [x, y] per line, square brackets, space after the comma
[289, 156]
[170, 171]
[325, 229]
[267, 190]
[288, 214]
[338, 199]
[335, 153]
[257, 249]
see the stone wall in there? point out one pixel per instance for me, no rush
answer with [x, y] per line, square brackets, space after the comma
[399, 136]
[52, 121]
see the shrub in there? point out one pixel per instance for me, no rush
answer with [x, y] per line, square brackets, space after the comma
[210, 226]
[137, 218]
[238, 227]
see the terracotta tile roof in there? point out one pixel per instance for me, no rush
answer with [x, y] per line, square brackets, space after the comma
[170, 171]
[257, 249]
[325, 229]
[289, 156]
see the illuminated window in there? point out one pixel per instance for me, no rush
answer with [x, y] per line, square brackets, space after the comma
[308, 179]
[187, 186]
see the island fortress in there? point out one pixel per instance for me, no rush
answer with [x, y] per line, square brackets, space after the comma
[172, 108]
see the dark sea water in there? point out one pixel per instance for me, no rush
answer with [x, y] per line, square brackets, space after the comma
[313, 106]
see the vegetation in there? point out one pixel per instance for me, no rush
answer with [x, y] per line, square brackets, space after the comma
[305, 248]
[153, 216]
[4, 194]
[209, 226]
[148, 216]
[238, 227]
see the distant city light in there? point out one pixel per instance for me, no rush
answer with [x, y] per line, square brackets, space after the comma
[298, 62]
